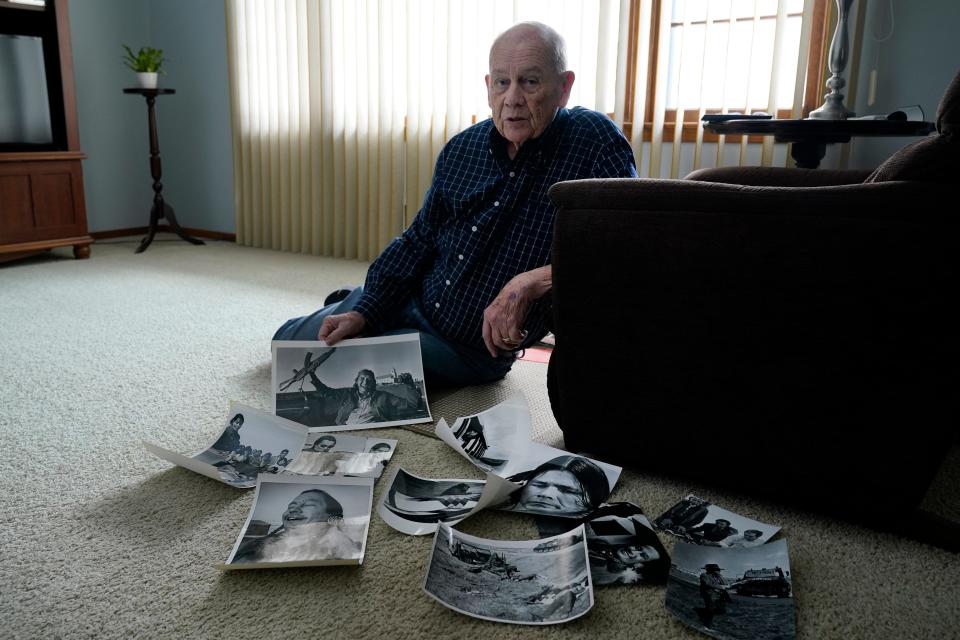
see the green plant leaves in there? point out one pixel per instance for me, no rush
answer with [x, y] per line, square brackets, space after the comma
[146, 60]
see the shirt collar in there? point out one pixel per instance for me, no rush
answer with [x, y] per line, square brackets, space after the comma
[543, 145]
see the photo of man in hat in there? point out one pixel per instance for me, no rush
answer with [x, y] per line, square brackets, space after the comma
[713, 590]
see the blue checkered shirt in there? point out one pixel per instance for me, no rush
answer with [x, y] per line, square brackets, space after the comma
[487, 218]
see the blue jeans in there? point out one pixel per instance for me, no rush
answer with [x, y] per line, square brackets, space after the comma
[444, 363]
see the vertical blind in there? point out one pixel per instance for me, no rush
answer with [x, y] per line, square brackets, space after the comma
[340, 107]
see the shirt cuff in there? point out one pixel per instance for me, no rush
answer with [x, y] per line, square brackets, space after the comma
[371, 311]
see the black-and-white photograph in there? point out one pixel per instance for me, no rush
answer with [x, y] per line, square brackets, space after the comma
[301, 522]
[563, 485]
[416, 506]
[489, 439]
[530, 582]
[342, 454]
[733, 593]
[358, 384]
[697, 521]
[252, 443]
[621, 542]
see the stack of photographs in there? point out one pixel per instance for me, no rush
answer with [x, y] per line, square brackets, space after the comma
[417, 506]
[359, 384]
[304, 522]
[740, 593]
[341, 454]
[535, 582]
[252, 443]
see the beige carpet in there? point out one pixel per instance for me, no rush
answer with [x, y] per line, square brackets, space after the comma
[101, 539]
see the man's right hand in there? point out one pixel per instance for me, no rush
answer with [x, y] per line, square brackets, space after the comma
[342, 325]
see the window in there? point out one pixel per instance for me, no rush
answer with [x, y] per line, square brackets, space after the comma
[720, 57]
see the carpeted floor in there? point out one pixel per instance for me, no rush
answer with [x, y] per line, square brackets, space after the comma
[101, 539]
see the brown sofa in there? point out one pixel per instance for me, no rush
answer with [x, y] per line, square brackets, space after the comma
[788, 332]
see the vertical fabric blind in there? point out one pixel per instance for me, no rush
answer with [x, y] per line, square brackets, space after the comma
[340, 107]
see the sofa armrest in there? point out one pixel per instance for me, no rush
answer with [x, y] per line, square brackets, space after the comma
[779, 176]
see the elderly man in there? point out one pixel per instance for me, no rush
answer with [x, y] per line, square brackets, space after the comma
[471, 272]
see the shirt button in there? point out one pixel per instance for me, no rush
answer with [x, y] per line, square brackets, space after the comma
[473, 228]
[436, 304]
[460, 257]
[448, 283]
[512, 174]
[497, 203]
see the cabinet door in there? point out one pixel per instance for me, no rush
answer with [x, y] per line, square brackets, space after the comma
[41, 201]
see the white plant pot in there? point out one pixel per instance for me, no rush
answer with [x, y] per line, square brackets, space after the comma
[147, 80]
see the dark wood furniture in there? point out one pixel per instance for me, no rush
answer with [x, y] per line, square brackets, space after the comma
[811, 137]
[41, 189]
[160, 209]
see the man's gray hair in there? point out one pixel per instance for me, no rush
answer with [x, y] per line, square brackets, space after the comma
[553, 42]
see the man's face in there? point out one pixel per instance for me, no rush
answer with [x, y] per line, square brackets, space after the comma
[306, 507]
[723, 524]
[523, 88]
[324, 445]
[366, 385]
[751, 535]
[551, 492]
[637, 553]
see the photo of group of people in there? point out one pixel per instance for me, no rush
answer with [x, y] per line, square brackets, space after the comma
[697, 521]
[535, 582]
[305, 522]
[252, 443]
[361, 383]
[739, 593]
[339, 453]
[621, 543]
[416, 506]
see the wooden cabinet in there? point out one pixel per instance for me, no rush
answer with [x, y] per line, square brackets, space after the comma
[41, 184]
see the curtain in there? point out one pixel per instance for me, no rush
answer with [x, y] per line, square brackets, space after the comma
[340, 107]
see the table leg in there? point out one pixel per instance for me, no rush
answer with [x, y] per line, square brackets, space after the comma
[175, 226]
[808, 154]
[152, 230]
[160, 210]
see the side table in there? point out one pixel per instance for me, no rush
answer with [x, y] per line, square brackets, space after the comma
[160, 208]
[811, 137]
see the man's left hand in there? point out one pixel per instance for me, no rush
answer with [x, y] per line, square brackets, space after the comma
[503, 319]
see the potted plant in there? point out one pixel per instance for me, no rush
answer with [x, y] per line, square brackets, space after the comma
[147, 63]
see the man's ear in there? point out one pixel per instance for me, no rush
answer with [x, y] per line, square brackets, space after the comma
[566, 85]
[486, 80]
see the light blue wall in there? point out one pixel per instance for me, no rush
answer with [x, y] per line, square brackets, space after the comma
[196, 140]
[194, 123]
[113, 126]
[913, 66]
